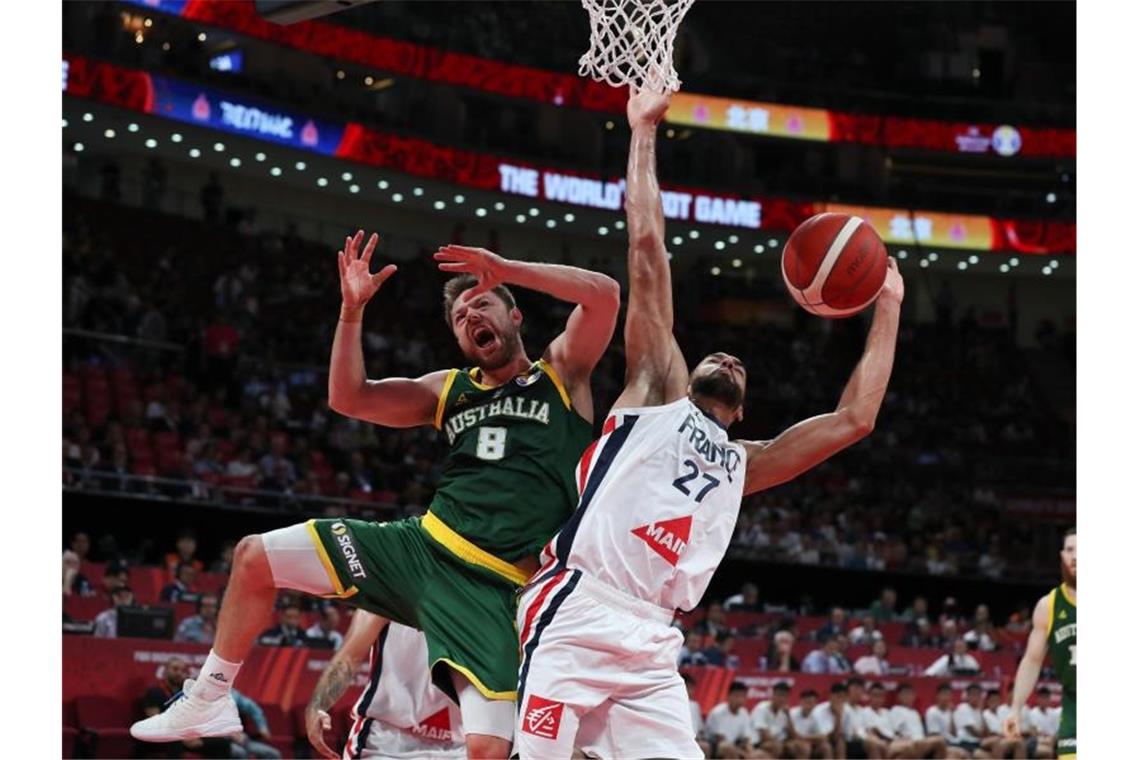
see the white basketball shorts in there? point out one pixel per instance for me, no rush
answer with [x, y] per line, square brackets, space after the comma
[376, 739]
[598, 673]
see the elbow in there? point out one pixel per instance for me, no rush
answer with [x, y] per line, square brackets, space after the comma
[862, 427]
[339, 402]
[608, 293]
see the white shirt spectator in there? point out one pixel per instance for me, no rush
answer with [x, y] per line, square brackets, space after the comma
[804, 723]
[880, 721]
[1045, 721]
[940, 723]
[825, 719]
[775, 723]
[968, 717]
[907, 723]
[732, 726]
[316, 632]
[981, 641]
[107, 623]
[945, 665]
[861, 635]
[870, 665]
[993, 718]
[698, 721]
[854, 722]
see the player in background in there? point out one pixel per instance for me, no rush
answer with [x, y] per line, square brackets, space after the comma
[400, 714]
[660, 493]
[515, 428]
[1055, 631]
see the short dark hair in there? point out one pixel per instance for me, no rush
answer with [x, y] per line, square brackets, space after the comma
[839, 687]
[855, 681]
[1044, 690]
[1070, 532]
[942, 687]
[973, 687]
[876, 686]
[454, 287]
[738, 686]
[992, 693]
[809, 693]
[906, 687]
[782, 687]
[724, 635]
[182, 566]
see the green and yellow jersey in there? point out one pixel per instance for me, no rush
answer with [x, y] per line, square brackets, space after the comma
[508, 479]
[1063, 652]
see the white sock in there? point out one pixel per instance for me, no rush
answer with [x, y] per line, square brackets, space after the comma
[215, 679]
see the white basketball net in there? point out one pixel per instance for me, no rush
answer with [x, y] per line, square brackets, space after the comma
[631, 42]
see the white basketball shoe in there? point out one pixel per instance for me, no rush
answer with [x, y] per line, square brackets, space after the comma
[190, 717]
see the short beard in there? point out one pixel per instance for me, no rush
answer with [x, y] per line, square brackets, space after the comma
[1070, 579]
[508, 348]
[719, 386]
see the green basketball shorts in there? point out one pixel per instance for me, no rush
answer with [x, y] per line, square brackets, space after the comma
[420, 573]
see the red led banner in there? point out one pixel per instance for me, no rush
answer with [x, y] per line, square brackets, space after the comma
[524, 82]
[134, 90]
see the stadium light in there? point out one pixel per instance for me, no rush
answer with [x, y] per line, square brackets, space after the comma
[533, 212]
[322, 182]
[551, 224]
[480, 212]
[235, 162]
[299, 166]
[347, 176]
[694, 234]
[568, 218]
[354, 188]
[176, 138]
[109, 133]
[275, 171]
[1004, 268]
[1051, 198]
[619, 225]
[439, 205]
[758, 248]
[737, 263]
[259, 156]
[933, 256]
[78, 147]
[65, 123]
[715, 271]
[201, 36]
[219, 147]
[1046, 270]
[368, 80]
[148, 22]
[973, 259]
[459, 199]
[719, 245]
[417, 191]
[1054, 263]
[1014, 261]
[677, 240]
[603, 231]
[397, 197]
[499, 205]
[962, 265]
[132, 127]
[902, 255]
[520, 218]
[773, 242]
[88, 117]
[924, 263]
[609, 125]
[382, 184]
[151, 142]
[733, 239]
[194, 153]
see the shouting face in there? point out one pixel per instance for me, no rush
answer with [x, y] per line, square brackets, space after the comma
[487, 329]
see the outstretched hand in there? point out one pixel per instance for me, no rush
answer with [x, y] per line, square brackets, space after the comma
[357, 283]
[486, 267]
[646, 107]
[1011, 726]
[316, 723]
[893, 288]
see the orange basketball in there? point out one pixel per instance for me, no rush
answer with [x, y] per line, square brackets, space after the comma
[834, 265]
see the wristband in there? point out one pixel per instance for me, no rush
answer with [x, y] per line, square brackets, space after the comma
[351, 315]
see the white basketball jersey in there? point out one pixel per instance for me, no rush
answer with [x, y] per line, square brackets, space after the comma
[400, 692]
[659, 494]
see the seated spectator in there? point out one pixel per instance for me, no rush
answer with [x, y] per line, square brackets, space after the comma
[729, 727]
[780, 658]
[957, 662]
[714, 621]
[107, 621]
[115, 575]
[75, 583]
[993, 716]
[200, 627]
[692, 653]
[748, 600]
[185, 547]
[836, 624]
[982, 636]
[826, 659]
[867, 632]
[878, 728]
[225, 561]
[695, 714]
[940, 722]
[804, 727]
[1043, 721]
[174, 673]
[720, 654]
[860, 742]
[287, 632]
[833, 719]
[80, 544]
[875, 663]
[244, 745]
[907, 725]
[324, 633]
[917, 609]
[922, 635]
[772, 723]
[883, 609]
[182, 589]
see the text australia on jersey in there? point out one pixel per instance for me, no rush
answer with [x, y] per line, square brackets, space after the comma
[519, 408]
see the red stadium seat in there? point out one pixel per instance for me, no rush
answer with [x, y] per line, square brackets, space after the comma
[84, 607]
[147, 582]
[211, 583]
[281, 729]
[107, 720]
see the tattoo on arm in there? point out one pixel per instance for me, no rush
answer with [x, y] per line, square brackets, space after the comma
[333, 683]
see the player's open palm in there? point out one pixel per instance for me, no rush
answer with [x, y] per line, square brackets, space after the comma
[357, 283]
[316, 723]
[484, 266]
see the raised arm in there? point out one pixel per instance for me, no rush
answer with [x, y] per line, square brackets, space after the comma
[577, 350]
[655, 371]
[338, 676]
[394, 401]
[1029, 668]
[807, 443]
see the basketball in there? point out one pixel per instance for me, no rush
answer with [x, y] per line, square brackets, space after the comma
[834, 265]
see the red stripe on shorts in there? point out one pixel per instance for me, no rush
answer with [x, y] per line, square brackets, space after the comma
[532, 613]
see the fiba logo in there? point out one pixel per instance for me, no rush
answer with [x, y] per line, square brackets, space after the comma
[338, 529]
[1006, 140]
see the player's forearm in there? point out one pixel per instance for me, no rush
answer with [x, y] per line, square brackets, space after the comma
[333, 683]
[645, 217]
[1027, 672]
[347, 377]
[863, 395]
[580, 286]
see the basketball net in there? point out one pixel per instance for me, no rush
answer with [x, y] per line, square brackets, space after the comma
[631, 42]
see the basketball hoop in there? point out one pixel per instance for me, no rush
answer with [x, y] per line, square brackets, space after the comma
[631, 42]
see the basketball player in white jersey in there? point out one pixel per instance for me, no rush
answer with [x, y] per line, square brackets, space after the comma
[400, 713]
[659, 496]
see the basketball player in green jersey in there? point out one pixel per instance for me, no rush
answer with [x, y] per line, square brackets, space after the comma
[1055, 630]
[516, 429]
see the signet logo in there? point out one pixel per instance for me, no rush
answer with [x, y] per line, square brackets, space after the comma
[668, 538]
[542, 717]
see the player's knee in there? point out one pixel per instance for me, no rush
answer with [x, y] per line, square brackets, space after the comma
[251, 563]
[484, 746]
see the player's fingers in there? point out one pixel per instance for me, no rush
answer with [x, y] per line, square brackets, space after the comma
[349, 248]
[320, 746]
[445, 255]
[382, 276]
[454, 267]
[341, 263]
[373, 239]
[482, 286]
